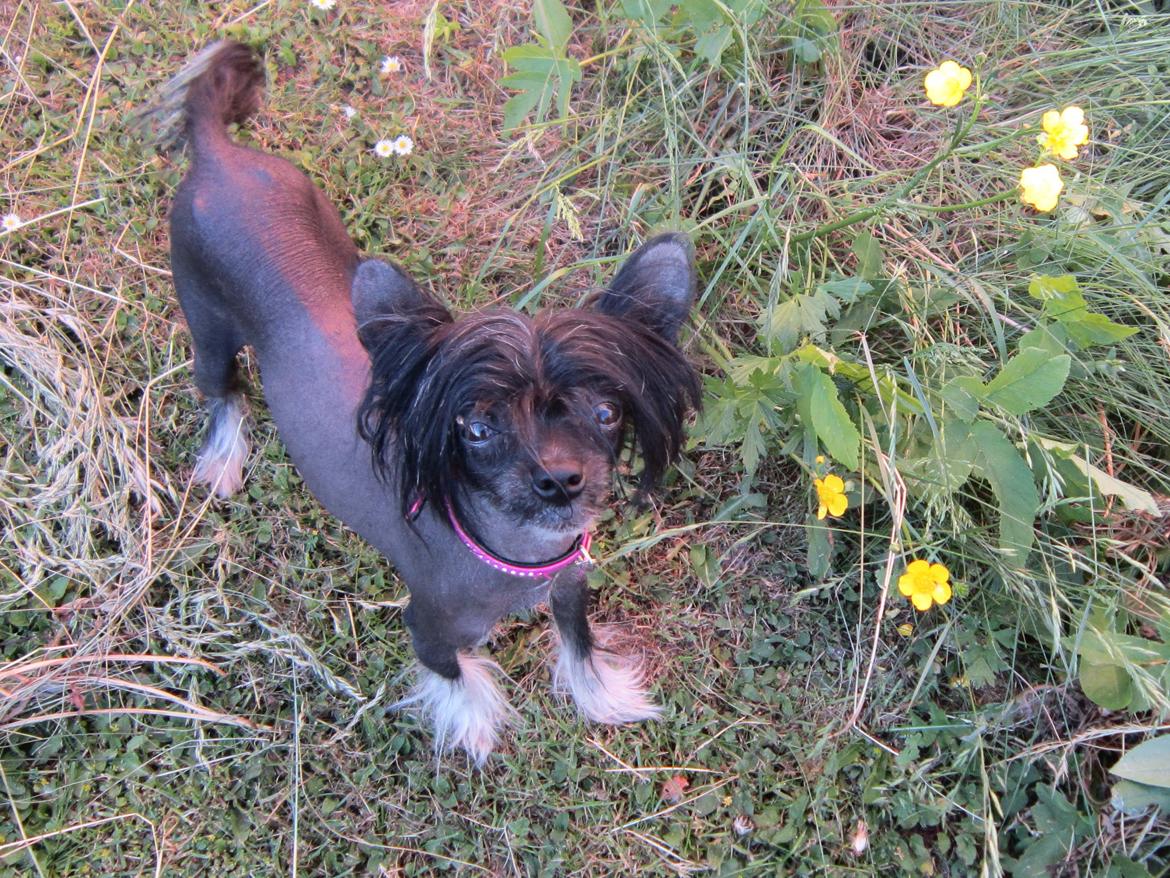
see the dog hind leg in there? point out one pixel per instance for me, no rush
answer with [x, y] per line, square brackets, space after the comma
[607, 687]
[216, 341]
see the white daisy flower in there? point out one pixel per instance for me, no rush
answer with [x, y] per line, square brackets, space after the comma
[349, 111]
[383, 149]
[403, 145]
[324, 5]
[391, 64]
[11, 222]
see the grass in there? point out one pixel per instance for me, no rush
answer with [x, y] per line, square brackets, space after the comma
[198, 687]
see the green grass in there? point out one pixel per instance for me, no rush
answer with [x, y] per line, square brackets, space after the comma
[797, 714]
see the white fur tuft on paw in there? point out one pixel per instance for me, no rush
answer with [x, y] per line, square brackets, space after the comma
[220, 464]
[607, 688]
[468, 713]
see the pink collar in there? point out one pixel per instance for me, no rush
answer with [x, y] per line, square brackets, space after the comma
[578, 553]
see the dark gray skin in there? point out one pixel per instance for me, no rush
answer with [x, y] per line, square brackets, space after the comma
[280, 280]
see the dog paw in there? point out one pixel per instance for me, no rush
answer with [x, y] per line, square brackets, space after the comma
[220, 464]
[468, 713]
[606, 687]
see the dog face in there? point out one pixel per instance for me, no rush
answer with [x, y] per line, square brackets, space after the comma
[529, 414]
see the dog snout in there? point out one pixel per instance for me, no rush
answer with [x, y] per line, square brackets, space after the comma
[558, 481]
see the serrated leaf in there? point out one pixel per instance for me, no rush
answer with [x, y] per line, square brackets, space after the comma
[553, 23]
[801, 315]
[1010, 478]
[819, 406]
[1091, 330]
[1106, 685]
[1148, 763]
[1028, 380]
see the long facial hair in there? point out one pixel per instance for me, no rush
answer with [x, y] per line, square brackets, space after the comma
[427, 370]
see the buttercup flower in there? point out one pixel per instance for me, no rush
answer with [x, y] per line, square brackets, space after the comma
[947, 83]
[391, 64]
[403, 145]
[383, 149]
[11, 222]
[831, 496]
[324, 5]
[1040, 187]
[1064, 132]
[925, 584]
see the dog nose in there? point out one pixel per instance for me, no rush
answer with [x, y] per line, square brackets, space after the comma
[560, 480]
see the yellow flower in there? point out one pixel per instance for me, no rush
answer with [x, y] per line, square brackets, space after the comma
[905, 629]
[925, 584]
[831, 496]
[1041, 187]
[947, 83]
[1064, 132]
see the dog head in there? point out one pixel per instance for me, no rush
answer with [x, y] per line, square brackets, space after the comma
[527, 413]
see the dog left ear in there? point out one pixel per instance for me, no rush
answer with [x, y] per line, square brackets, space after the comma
[655, 286]
[382, 290]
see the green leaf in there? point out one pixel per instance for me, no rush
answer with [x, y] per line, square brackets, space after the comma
[1131, 496]
[847, 289]
[1148, 763]
[820, 548]
[801, 315]
[1045, 286]
[1010, 478]
[962, 397]
[868, 251]
[819, 405]
[1064, 303]
[1106, 685]
[1133, 798]
[1028, 380]
[646, 11]
[540, 75]
[553, 23]
[1096, 329]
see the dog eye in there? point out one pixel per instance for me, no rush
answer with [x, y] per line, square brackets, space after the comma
[476, 432]
[606, 413]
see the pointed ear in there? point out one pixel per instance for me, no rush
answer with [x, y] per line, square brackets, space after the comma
[655, 286]
[383, 294]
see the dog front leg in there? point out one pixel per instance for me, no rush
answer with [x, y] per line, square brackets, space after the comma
[607, 687]
[456, 691]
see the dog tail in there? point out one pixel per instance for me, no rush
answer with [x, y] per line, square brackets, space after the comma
[220, 85]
